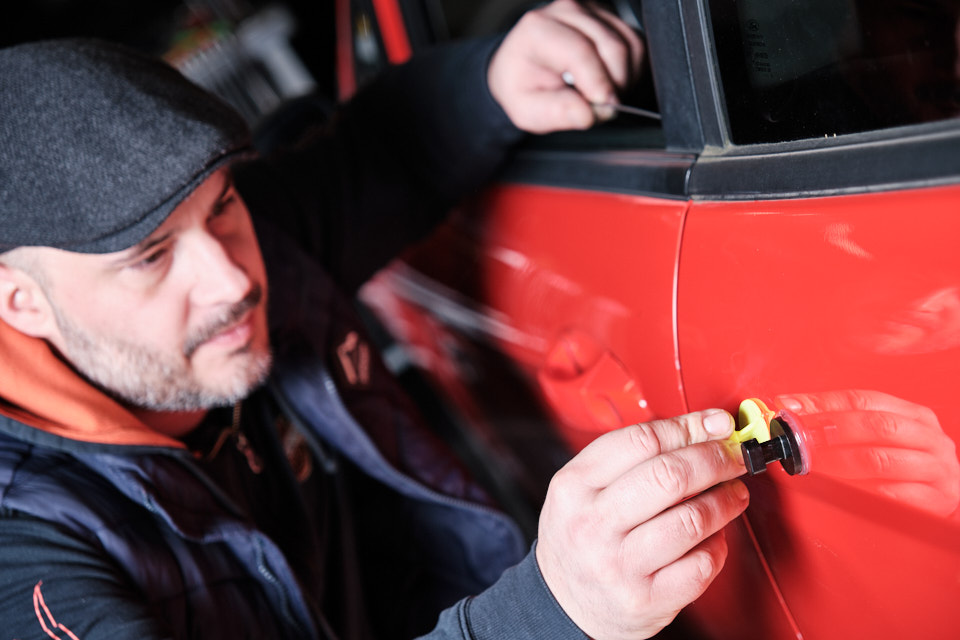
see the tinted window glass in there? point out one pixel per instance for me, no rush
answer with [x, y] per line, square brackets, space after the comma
[804, 69]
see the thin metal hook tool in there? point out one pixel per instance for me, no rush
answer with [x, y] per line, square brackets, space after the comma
[621, 108]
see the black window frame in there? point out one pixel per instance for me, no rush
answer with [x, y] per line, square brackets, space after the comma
[692, 102]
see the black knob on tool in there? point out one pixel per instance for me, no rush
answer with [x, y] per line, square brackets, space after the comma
[782, 446]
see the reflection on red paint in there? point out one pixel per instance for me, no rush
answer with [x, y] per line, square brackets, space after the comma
[589, 389]
[877, 443]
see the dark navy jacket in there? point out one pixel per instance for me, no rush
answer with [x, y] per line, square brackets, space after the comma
[138, 542]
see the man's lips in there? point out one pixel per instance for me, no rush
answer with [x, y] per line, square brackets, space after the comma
[234, 327]
[236, 335]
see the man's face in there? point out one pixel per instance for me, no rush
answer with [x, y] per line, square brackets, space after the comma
[176, 323]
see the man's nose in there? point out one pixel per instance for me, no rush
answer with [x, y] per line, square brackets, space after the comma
[218, 277]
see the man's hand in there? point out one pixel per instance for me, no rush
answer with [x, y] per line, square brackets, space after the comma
[558, 60]
[631, 530]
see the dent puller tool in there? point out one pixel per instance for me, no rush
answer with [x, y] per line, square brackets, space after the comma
[765, 437]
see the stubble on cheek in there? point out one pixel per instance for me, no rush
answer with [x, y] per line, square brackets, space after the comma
[167, 381]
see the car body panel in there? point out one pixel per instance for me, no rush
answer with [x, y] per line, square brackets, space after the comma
[594, 335]
[837, 292]
[825, 295]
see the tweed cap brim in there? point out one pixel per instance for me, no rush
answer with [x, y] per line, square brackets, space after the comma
[99, 144]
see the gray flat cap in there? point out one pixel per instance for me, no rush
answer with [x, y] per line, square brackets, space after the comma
[99, 144]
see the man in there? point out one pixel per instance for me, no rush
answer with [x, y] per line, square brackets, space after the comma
[195, 440]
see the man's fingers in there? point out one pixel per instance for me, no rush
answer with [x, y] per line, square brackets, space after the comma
[526, 75]
[640, 506]
[545, 111]
[614, 453]
[682, 527]
[658, 484]
[618, 49]
[566, 49]
[560, 60]
[630, 37]
[681, 582]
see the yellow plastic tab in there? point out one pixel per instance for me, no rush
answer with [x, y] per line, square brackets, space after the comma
[753, 421]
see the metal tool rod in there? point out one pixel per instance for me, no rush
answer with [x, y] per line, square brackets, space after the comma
[623, 108]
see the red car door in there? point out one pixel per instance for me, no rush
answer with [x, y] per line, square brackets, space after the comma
[819, 272]
[840, 302]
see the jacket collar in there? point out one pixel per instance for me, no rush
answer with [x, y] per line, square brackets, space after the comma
[43, 392]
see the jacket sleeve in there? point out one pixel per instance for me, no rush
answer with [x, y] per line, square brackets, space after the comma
[518, 606]
[57, 586]
[389, 164]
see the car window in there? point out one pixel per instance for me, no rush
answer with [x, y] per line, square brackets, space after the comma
[796, 69]
[626, 131]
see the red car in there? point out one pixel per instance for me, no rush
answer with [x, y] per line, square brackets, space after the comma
[788, 231]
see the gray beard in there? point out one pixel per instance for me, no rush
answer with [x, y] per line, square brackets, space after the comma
[155, 381]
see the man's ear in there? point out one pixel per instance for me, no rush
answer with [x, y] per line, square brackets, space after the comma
[24, 305]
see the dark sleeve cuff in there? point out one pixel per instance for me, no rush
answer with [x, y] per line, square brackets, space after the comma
[518, 606]
[475, 103]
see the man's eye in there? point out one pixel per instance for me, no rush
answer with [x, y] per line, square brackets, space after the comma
[151, 259]
[221, 206]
